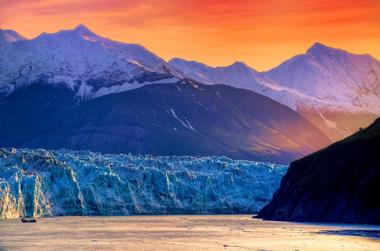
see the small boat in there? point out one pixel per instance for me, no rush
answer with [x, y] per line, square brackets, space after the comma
[28, 220]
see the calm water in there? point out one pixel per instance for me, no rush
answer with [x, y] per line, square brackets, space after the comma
[222, 232]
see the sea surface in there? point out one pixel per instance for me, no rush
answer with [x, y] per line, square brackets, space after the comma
[183, 232]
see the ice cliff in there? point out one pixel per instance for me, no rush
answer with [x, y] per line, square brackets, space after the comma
[45, 183]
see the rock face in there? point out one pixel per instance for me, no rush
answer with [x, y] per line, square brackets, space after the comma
[337, 184]
[44, 183]
[160, 119]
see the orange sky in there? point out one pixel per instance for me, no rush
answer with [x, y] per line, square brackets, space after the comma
[261, 33]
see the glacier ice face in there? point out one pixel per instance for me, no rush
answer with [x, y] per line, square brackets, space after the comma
[45, 183]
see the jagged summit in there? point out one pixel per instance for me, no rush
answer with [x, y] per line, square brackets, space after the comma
[332, 78]
[320, 83]
[237, 74]
[319, 49]
[89, 64]
[82, 28]
[317, 46]
[323, 78]
[10, 36]
[239, 64]
[80, 32]
[178, 60]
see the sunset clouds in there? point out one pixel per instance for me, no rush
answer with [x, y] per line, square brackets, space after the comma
[261, 33]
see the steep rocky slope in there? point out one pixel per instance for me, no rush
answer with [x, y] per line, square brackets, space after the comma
[45, 183]
[337, 184]
[161, 119]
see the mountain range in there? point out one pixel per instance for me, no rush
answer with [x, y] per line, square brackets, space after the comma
[86, 63]
[337, 91]
[76, 89]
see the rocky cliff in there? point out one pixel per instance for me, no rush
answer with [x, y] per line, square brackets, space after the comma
[337, 184]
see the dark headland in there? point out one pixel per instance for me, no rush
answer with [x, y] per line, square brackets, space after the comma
[340, 183]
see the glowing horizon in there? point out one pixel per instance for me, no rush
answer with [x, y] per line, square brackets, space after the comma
[261, 33]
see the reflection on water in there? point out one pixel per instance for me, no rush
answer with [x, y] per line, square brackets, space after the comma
[375, 234]
[184, 233]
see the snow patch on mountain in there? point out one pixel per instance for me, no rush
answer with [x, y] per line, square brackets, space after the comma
[185, 123]
[130, 86]
[329, 123]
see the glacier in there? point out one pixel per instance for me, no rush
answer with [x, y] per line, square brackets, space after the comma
[39, 182]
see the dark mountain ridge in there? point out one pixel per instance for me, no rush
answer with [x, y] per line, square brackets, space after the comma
[337, 184]
[160, 119]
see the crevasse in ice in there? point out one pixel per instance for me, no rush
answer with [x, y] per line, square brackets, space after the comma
[63, 182]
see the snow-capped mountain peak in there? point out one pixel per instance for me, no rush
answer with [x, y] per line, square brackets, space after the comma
[10, 36]
[323, 77]
[85, 33]
[237, 74]
[330, 83]
[79, 34]
[333, 78]
[318, 48]
[87, 63]
[81, 28]
[240, 65]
